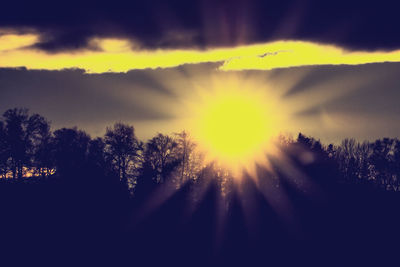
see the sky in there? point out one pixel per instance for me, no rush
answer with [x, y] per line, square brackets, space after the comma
[331, 68]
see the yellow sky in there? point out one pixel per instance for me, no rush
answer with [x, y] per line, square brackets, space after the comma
[117, 55]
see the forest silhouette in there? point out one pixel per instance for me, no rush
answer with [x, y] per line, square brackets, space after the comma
[69, 199]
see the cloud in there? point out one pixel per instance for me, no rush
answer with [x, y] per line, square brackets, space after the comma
[175, 24]
[122, 55]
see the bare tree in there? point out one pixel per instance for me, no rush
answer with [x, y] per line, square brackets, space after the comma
[22, 133]
[122, 148]
[43, 159]
[161, 156]
[191, 160]
[3, 152]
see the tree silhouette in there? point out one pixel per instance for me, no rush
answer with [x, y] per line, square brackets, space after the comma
[22, 133]
[382, 159]
[3, 152]
[43, 160]
[123, 149]
[160, 156]
[96, 155]
[190, 160]
[346, 157]
[70, 150]
[396, 162]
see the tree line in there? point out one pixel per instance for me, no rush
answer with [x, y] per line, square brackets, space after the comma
[28, 147]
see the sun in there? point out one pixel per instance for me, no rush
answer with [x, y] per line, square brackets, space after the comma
[234, 125]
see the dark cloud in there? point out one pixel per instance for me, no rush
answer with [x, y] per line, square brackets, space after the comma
[55, 41]
[68, 25]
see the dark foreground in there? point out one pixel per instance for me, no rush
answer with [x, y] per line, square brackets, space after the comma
[55, 222]
[335, 205]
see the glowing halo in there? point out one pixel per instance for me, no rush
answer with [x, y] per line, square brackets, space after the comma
[234, 122]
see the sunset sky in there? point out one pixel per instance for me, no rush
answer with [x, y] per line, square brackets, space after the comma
[330, 70]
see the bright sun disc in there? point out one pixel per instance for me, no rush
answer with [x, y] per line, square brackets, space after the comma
[235, 127]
